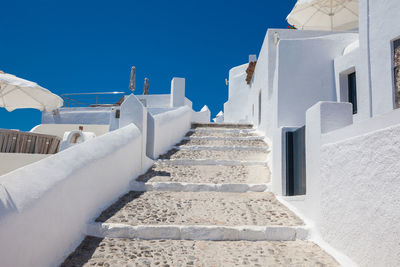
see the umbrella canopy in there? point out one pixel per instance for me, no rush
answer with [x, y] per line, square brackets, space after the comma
[18, 93]
[325, 15]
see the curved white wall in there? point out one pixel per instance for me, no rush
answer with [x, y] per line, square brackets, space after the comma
[236, 109]
[44, 207]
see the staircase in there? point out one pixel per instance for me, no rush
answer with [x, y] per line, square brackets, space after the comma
[204, 203]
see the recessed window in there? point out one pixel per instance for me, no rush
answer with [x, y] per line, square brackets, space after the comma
[352, 94]
[396, 65]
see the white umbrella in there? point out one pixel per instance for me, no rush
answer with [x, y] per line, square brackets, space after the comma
[325, 15]
[18, 93]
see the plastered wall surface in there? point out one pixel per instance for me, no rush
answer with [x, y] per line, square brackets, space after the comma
[156, 101]
[301, 87]
[265, 75]
[360, 197]
[382, 17]
[44, 207]
[166, 129]
[60, 129]
[236, 109]
[92, 115]
[203, 116]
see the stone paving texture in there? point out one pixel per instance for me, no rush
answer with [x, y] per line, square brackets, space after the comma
[202, 208]
[206, 174]
[220, 134]
[236, 143]
[212, 154]
[175, 253]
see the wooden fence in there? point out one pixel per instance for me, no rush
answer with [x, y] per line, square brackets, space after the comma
[26, 142]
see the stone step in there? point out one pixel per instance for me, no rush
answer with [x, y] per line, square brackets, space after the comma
[201, 208]
[220, 134]
[221, 142]
[222, 130]
[206, 174]
[223, 148]
[215, 154]
[222, 125]
[212, 138]
[198, 232]
[174, 253]
[210, 162]
[197, 187]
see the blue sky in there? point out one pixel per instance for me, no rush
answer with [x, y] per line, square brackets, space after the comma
[89, 46]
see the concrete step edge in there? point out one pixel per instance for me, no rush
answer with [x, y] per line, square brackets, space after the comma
[223, 148]
[199, 232]
[222, 130]
[211, 162]
[198, 187]
[223, 125]
[214, 138]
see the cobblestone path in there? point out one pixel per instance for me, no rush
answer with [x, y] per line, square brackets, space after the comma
[207, 142]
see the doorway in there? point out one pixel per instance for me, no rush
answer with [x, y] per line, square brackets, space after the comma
[295, 181]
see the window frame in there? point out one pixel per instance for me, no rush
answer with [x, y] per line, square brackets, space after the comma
[395, 68]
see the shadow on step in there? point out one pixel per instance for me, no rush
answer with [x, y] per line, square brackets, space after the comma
[169, 154]
[118, 205]
[83, 253]
[151, 173]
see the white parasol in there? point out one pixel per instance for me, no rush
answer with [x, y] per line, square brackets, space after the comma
[16, 93]
[325, 15]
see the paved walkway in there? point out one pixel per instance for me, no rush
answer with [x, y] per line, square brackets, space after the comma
[233, 143]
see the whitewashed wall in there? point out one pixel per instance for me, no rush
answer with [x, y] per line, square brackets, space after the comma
[352, 182]
[203, 116]
[60, 129]
[266, 75]
[236, 109]
[378, 27]
[82, 115]
[360, 197]
[44, 207]
[166, 129]
[156, 101]
[299, 86]
[344, 65]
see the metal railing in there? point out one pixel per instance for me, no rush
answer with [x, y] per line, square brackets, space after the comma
[101, 99]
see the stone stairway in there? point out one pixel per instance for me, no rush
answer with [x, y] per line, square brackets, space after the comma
[204, 203]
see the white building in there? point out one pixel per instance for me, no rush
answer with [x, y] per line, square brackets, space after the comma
[327, 105]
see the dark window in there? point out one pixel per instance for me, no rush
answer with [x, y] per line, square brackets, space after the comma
[353, 91]
[396, 65]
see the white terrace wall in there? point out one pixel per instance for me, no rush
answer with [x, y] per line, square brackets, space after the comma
[203, 116]
[378, 28]
[60, 129]
[92, 115]
[236, 109]
[45, 206]
[156, 101]
[353, 189]
[266, 71]
[166, 129]
[360, 196]
[344, 65]
[305, 75]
